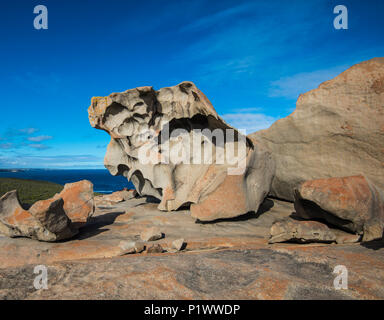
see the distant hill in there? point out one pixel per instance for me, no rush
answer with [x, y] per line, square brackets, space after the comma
[29, 190]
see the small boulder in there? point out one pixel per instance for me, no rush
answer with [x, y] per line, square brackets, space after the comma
[300, 231]
[119, 196]
[178, 244]
[155, 248]
[151, 234]
[343, 237]
[131, 247]
[353, 204]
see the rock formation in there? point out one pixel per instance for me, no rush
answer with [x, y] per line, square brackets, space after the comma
[117, 196]
[49, 220]
[300, 231]
[78, 201]
[353, 204]
[157, 139]
[336, 130]
[45, 221]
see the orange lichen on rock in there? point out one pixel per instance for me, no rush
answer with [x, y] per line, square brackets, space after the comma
[78, 201]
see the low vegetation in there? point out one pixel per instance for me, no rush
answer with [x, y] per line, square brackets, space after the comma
[29, 191]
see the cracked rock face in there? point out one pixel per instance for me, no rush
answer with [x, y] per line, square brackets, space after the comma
[173, 146]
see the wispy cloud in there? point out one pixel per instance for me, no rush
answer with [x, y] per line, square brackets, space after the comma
[250, 122]
[39, 146]
[6, 145]
[292, 86]
[17, 139]
[249, 46]
[218, 17]
[12, 133]
[39, 138]
[28, 130]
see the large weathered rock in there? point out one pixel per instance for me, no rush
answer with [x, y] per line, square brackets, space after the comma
[300, 231]
[45, 221]
[50, 213]
[351, 203]
[156, 137]
[78, 201]
[336, 130]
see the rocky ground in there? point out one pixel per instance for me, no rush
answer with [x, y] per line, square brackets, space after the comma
[221, 260]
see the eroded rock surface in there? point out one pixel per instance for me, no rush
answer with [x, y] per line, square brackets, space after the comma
[151, 234]
[53, 219]
[300, 231]
[117, 196]
[352, 203]
[131, 247]
[78, 201]
[166, 123]
[50, 213]
[336, 130]
[45, 221]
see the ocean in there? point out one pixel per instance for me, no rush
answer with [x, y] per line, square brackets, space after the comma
[103, 181]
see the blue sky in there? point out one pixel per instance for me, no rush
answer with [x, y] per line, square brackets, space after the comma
[251, 58]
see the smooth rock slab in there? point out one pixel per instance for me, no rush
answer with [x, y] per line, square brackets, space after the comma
[273, 272]
[124, 221]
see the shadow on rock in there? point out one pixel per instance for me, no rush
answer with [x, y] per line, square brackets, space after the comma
[95, 225]
[373, 245]
[264, 207]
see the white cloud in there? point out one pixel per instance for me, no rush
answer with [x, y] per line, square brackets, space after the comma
[291, 87]
[29, 130]
[39, 146]
[6, 145]
[250, 122]
[39, 138]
